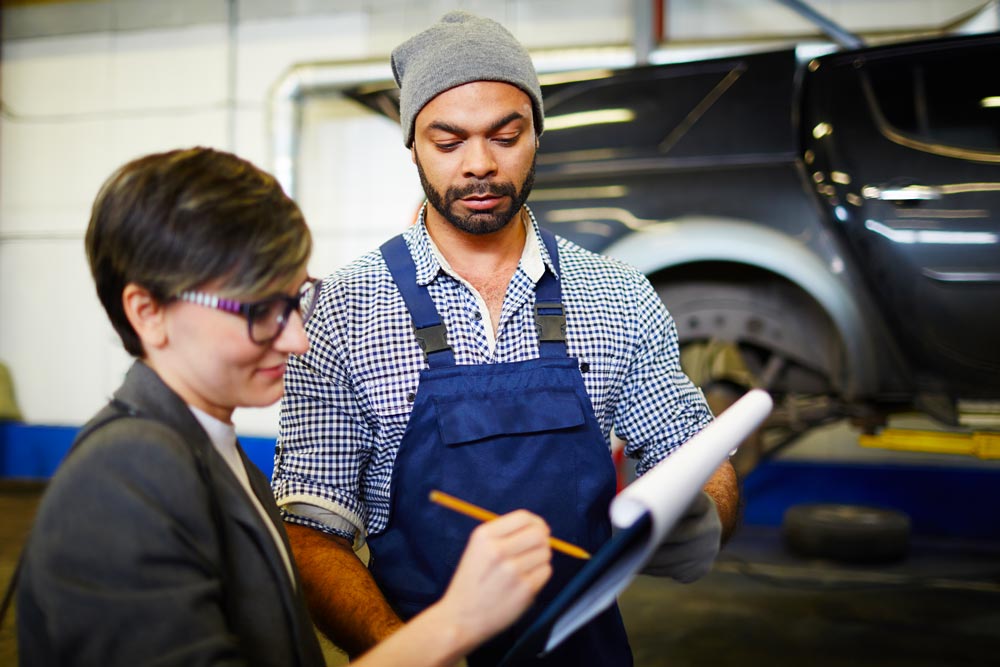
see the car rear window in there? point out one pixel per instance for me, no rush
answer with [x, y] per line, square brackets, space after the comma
[950, 98]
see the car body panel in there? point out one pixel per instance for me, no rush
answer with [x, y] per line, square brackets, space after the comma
[907, 165]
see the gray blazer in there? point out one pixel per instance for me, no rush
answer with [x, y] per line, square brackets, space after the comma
[129, 563]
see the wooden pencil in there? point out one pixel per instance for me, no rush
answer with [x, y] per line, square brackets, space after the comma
[476, 512]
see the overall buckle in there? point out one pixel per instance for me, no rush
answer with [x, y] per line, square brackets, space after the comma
[432, 339]
[550, 328]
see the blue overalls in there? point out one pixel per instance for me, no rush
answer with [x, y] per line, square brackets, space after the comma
[501, 436]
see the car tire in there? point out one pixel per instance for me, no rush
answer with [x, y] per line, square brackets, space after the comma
[848, 533]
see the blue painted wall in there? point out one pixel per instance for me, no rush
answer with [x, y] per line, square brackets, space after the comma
[34, 451]
[941, 501]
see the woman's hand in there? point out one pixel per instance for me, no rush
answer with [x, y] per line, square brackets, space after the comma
[505, 564]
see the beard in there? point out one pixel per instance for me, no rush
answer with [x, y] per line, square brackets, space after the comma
[478, 222]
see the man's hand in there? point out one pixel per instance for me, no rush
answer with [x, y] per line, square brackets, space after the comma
[688, 551]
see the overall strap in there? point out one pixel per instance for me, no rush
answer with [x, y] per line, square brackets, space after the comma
[550, 317]
[427, 325]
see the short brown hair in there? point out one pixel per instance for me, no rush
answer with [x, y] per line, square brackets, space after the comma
[175, 221]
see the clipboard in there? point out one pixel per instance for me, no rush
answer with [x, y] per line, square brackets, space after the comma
[643, 513]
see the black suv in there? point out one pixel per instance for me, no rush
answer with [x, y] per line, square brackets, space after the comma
[834, 219]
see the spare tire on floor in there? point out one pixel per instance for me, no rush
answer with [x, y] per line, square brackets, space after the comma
[849, 533]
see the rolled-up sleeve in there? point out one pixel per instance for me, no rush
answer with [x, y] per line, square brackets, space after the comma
[660, 408]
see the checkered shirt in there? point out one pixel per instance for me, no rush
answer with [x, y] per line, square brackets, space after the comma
[348, 399]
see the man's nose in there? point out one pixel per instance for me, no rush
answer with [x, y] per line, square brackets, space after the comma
[479, 159]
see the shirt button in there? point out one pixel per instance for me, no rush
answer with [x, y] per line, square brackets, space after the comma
[410, 396]
[584, 367]
[477, 316]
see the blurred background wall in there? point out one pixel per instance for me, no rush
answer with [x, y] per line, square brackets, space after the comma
[88, 85]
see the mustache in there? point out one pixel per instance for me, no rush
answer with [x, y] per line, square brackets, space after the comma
[481, 189]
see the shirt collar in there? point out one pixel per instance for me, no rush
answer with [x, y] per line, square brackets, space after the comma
[429, 261]
[222, 435]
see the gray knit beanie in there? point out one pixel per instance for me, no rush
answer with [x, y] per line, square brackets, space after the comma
[459, 49]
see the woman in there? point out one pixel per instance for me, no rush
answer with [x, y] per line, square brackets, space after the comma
[157, 541]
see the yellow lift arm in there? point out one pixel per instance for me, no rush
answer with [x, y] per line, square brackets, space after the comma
[981, 444]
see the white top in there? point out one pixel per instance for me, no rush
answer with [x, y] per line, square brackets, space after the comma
[223, 436]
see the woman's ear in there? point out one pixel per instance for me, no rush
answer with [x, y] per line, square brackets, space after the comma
[146, 315]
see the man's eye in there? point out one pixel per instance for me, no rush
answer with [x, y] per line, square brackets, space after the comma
[447, 146]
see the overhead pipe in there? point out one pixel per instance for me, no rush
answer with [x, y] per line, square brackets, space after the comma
[643, 29]
[837, 33]
[285, 106]
[232, 35]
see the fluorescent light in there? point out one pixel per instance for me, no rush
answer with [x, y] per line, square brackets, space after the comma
[552, 78]
[562, 194]
[992, 102]
[599, 117]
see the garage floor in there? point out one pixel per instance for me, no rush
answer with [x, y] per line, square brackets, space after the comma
[760, 606]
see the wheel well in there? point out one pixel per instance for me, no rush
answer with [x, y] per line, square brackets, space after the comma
[786, 340]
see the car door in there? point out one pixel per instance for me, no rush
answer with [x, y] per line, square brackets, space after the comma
[903, 146]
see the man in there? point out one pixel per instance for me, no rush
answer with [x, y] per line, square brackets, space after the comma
[479, 356]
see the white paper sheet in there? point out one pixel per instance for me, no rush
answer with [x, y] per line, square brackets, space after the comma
[665, 493]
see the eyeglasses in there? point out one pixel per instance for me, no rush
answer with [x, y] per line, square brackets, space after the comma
[266, 319]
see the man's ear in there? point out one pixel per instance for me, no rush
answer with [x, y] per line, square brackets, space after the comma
[146, 315]
[413, 152]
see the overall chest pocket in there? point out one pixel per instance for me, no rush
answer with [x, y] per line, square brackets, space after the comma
[512, 450]
[473, 418]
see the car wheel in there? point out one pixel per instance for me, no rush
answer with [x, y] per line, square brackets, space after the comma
[741, 327]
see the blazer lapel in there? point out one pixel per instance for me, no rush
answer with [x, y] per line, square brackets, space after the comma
[249, 517]
[292, 596]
